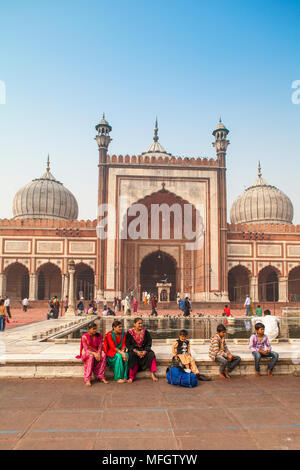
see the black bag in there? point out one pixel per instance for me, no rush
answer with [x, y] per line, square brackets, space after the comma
[176, 362]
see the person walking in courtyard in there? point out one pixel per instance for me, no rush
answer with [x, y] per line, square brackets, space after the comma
[25, 304]
[260, 347]
[218, 351]
[247, 304]
[3, 315]
[187, 307]
[181, 348]
[115, 350]
[127, 310]
[135, 305]
[80, 307]
[141, 356]
[92, 355]
[153, 305]
[7, 305]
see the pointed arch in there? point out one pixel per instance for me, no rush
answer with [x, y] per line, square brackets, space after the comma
[238, 283]
[17, 281]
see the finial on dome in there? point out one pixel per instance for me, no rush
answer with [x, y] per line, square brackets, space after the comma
[259, 170]
[155, 138]
[48, 163]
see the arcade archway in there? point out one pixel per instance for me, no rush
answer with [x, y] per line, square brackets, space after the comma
[156, 267]
[49, 281]
[268, 285]
[238, 284]
[84, 282]
[17, 281]
[294, 285]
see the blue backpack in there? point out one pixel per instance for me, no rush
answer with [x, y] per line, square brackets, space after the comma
[177, 377]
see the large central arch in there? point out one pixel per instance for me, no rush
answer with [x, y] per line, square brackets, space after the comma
[168, 234]
[154, 268]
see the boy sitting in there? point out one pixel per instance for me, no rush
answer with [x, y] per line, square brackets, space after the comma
[181, 349]
[260, 347]
[218, 351]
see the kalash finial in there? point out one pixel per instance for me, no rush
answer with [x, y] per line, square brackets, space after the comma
[155, 138]
[48, 163]
[259, 170]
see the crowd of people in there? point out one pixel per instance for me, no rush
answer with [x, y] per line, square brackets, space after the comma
[128, 352]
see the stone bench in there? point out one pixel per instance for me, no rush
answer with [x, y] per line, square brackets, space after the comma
[63, 368]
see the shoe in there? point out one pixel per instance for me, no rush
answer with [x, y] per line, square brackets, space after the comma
[204, 378]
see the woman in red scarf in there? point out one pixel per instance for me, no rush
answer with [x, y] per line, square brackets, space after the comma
[92, 355]
[114, 347]
[141, 356]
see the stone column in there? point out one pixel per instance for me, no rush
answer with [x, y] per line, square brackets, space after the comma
[2, 285]
[283, 289]
[254, 289]
[65, 286]
[33, 287]
[71, 308]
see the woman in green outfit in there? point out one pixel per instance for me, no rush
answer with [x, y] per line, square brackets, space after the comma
[114, 348]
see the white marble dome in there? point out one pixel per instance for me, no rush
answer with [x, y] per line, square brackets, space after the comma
[45, 198]
[262, 203]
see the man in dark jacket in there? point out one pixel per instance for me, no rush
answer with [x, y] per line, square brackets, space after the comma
[187, 307]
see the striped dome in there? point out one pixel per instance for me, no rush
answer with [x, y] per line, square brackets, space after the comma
[262, 203]
[45, 198]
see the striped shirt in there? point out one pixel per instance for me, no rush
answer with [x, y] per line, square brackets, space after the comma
[217, 347]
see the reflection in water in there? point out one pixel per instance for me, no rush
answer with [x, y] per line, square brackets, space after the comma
[198, 328]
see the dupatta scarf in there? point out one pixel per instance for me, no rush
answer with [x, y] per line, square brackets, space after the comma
[117, 342]
[93, 344]
[139, 340]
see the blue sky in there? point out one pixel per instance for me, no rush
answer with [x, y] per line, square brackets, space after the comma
[65, 62]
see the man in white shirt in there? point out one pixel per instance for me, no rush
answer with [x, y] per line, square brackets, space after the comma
[271, 325]
[7, 305]
[247, 304]
[25, 304]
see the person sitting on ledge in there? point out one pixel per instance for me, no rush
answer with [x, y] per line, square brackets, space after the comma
[115, 349]
[218, 351]
[260, 347]
[53, 313]
[92, 355]
[141, 356]
[182, 349]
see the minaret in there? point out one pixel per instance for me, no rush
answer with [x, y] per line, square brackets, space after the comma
[156, 138]
[221, 143]
[103, 140]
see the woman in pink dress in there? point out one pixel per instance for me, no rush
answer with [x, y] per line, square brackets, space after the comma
[92, 355]
[135, 305]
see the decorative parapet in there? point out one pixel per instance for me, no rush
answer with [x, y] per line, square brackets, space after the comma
[48, 223]
[157, 159]
[263, 228]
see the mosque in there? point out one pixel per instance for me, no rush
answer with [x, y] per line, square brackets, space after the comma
[257, 253]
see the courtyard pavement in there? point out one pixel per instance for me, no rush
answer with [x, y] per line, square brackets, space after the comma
[241, 413]
[36, 314]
